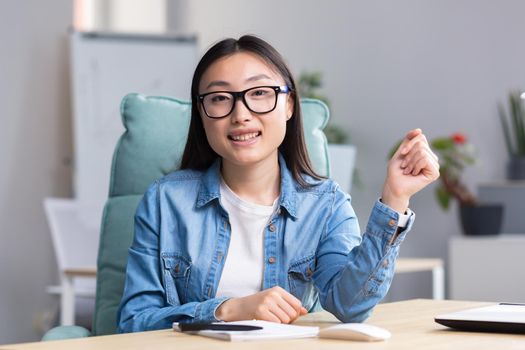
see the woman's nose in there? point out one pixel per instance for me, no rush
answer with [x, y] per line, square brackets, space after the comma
[240, 112]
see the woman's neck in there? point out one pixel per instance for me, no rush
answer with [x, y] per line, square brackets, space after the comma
[257, 183]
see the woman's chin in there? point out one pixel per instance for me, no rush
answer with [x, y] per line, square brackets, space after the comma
[249, 158]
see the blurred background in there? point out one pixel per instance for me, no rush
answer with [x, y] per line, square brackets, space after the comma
[386, 67]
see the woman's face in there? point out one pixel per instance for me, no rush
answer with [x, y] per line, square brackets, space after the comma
[244, 137]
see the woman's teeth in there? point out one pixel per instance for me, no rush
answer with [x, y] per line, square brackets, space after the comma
[245, 137]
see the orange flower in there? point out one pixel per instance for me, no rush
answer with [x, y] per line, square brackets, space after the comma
[459, 138]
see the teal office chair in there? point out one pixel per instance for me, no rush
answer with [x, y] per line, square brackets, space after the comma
[151, 147]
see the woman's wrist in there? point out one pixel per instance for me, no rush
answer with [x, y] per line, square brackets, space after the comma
[397, 202]
[224, 311]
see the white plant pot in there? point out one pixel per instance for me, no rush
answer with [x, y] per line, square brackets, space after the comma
[342, 163]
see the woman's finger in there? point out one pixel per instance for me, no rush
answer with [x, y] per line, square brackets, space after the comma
[289, 309]
[428, 166]
[420, 164]
[434, 169]
[271, 317]
[409, 159]
[413, 133]
[292, 301]
[410, 144]
[278, 311]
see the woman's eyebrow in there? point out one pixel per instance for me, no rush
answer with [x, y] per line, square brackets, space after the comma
[258, 77]
[217, 83]
[225, 83]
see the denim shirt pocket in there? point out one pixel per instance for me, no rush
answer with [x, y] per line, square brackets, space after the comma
[176, 275]
[300, 280]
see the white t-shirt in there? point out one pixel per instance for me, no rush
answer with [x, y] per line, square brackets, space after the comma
[242, 274]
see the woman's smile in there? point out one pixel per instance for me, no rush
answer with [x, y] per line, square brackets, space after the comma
[244, 137]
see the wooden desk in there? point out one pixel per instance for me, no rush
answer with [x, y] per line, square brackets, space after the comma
[411, 323]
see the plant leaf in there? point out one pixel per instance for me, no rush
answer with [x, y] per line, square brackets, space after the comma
[443, 143]
[518, 122]
[505, 128]
[521, 117]
[443, 197]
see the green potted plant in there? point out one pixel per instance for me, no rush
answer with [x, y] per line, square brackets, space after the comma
[338, 147]
[513, 126]
[455, 154]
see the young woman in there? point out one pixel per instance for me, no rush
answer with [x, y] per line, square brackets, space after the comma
[247, 229]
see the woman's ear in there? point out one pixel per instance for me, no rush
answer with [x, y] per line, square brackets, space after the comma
[290, 106]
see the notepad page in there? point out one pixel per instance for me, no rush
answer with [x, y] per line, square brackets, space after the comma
[270, 331]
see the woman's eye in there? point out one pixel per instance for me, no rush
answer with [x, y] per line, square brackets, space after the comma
[259, 93]
[219, 98]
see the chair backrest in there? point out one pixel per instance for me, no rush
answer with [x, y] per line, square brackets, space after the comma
[75, 239]
[152, 146]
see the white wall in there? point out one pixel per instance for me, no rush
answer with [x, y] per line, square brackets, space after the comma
[131, 16]
[390, 66]
[35, 145]
[138, 16]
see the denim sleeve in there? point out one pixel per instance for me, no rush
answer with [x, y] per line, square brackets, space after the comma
[354, 272]
[143, 305]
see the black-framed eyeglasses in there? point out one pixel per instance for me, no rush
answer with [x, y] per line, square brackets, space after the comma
[259, 100]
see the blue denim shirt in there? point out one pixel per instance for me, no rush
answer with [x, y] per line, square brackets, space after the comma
[312, 248]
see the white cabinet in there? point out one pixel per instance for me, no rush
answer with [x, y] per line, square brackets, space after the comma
[487, 268]
[342, 163]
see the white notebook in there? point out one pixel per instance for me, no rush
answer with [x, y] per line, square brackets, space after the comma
[270, 331]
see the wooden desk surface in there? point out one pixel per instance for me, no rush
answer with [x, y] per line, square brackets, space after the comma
[87, 271]
[417, 264]
[411, 323]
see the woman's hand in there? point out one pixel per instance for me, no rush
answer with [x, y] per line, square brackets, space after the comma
[274, 304]
[411, 168]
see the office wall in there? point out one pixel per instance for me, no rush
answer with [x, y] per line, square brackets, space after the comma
[131, 16]
[390, 66]
[35, 148]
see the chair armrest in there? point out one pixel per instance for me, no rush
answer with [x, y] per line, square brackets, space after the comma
[66, 332]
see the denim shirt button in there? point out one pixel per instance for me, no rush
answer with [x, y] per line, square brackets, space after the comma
[177, 268]
[385, 263]
[392, 222]
[309, 272]
[272, 227]
[271, 260]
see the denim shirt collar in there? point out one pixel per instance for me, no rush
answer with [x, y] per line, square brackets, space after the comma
[210, 187]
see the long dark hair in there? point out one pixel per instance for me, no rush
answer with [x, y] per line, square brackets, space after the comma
[198, 153]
